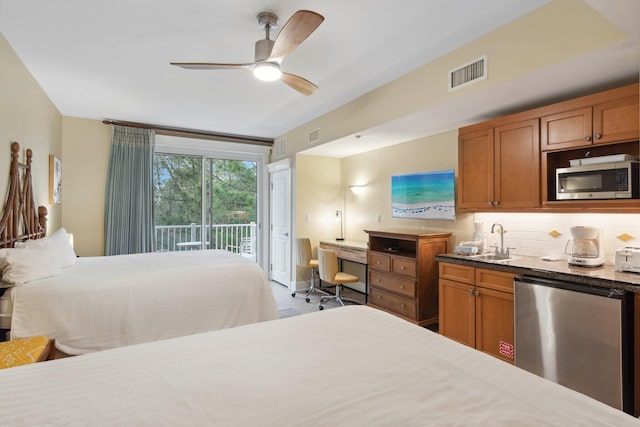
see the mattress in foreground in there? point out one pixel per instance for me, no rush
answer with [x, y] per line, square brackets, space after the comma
[113, 301]
[352, 366]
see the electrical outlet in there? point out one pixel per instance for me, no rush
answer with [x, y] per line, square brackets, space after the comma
[378, 218]
[307, 217]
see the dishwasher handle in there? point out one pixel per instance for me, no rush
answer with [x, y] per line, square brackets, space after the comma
[572, 286]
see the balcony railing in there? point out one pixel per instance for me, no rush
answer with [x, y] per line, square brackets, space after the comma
[239, 238]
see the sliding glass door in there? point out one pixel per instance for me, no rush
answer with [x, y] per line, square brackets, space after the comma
[232, 205]
[206, 203]
[177, 182]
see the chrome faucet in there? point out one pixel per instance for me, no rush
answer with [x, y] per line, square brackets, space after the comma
[500, 253]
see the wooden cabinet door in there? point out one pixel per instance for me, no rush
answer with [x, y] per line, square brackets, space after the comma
[457, 311]
[495, 323]
[475, 169]
[636, 356]
[616, 121]
[568, 129]
[517, 165]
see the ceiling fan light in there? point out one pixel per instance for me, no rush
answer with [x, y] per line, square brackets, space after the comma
[267, 71]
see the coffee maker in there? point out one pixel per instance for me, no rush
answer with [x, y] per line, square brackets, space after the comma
[585, 246]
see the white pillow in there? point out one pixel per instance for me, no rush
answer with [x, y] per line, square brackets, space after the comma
[57, 245]
[22, 265]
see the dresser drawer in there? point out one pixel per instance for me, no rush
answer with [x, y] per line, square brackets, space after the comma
[393, 284]
[406, 267]
[402, 306]
[379, 261]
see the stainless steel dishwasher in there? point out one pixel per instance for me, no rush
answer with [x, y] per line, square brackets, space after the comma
[577, 336]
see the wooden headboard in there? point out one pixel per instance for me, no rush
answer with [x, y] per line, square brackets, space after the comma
[20, 221]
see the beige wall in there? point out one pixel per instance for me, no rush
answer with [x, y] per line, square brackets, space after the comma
[86, 153]
[571, 28]
[318, 196]
[30, 118]
[322, 187]
[374, 169]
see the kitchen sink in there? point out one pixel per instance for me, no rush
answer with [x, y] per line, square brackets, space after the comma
[493, 257]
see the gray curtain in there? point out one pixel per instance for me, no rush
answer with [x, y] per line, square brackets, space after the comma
[128, 216]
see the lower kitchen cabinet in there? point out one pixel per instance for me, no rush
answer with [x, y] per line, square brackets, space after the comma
[476, 308]
[636, 356]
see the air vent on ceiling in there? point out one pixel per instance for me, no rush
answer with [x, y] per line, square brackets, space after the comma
[280, 147]
[469, 73]
[314, 136]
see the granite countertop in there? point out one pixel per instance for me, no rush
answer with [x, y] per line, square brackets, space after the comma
[599, 277]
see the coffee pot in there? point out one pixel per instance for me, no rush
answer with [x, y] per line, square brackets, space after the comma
[585, 247]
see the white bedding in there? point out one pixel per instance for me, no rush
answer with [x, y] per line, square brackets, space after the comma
[106, 302]
[352, 366]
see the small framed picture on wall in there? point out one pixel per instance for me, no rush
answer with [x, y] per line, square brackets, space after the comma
[55, 179]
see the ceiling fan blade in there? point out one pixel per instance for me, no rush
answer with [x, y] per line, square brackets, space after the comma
[295, 31]
[303, 86]
[212, 66]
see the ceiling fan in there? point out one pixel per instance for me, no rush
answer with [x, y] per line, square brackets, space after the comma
[270, 53]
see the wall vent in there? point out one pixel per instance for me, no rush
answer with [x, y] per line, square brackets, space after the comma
[280, 147]
[468, 74]
[314, 136]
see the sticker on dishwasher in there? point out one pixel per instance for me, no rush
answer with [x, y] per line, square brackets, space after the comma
[505, 349]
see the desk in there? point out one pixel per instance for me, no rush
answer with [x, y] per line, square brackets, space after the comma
[352, 251]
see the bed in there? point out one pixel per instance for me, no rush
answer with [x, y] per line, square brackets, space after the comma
[96, 303]
[350, 366]
[106, 302]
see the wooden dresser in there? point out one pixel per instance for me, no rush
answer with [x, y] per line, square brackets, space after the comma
[403, 273]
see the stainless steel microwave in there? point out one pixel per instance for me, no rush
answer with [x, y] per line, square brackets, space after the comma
[615, 180]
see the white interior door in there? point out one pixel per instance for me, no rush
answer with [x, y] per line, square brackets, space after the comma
[280, 236]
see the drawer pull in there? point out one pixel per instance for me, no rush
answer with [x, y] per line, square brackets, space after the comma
[401, 286]
[470, 291]
[379, 297]
[378, 262]
[402, 306]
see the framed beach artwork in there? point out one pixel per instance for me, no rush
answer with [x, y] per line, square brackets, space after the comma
[55, 179]
[426, 195]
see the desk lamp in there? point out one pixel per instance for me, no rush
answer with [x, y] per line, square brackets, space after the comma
[339, 219]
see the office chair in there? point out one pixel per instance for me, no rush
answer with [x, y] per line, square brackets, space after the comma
[328, 269]
[303, 253]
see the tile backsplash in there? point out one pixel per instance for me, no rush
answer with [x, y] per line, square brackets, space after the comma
[539, 234]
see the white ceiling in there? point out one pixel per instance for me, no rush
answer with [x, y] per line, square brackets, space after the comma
[110, 59]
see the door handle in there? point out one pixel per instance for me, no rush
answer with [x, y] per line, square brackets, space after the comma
[286, 234]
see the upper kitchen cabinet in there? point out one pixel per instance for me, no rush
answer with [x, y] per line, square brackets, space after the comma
[475, 168]
[606, 123]
[499, 165]
[510, 162]
[604, 118]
